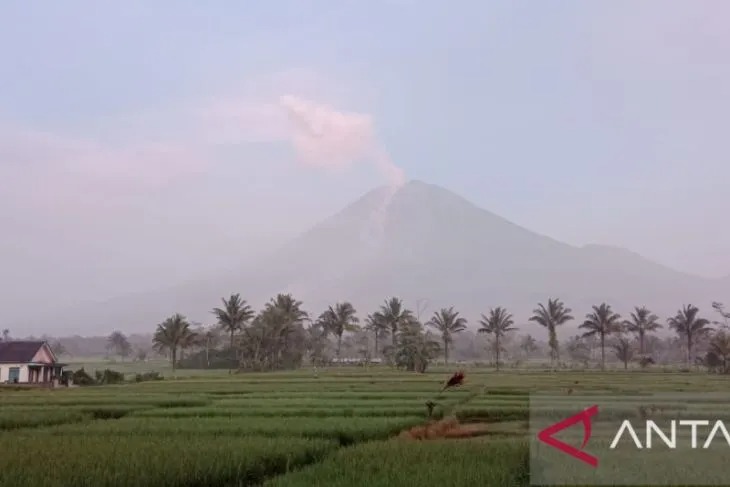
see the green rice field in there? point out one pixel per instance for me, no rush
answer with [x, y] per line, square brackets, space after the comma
[342, 427]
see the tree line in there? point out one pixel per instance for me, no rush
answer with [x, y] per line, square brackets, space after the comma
[282, 335]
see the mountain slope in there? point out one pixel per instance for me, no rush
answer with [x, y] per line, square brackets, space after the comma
[420, 242]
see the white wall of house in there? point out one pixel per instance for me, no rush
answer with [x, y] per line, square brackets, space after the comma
[5, 372]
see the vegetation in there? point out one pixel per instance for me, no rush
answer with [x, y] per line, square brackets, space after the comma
[601, 322]
[447, 322]
[642, 323]
[280, 424]
[688, 324]
[552, 316]
[498, 323]
[171, 335]
[282, 336]
[290, 428]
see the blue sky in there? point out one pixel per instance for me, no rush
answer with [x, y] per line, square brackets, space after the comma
[589, 122]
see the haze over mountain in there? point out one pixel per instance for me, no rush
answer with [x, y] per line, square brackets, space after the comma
[428, 244]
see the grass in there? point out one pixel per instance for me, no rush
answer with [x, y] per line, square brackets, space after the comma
[338, 428]
[498, 463]
[152, 460]
[345, 430]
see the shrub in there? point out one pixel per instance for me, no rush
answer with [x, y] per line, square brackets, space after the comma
[109, 377]
[147, 376]
[81, 378]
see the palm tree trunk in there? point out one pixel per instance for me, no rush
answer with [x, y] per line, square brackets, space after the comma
[641, 342]
[207, 353]
[339, 344]
[553, 343]
[393, 330]
[446, 352]
[376, 342]
[174, 358]
[603, 351]
[496, 349]
[689, 350]
[233, 358]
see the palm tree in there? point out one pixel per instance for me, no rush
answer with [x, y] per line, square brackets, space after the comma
[395, 316]
[600, 322]
[642, 322]
[447, 322]
[170, 335]
[375, 323]
[6, 335]
[234, 315]
[498, 324]
[552, 316]
[624, 352]
[686, 323]
[338, 320]
[284, 317]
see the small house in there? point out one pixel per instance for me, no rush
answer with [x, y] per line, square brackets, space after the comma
[29, 362]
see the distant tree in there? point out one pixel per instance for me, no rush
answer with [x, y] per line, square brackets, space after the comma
[498, 324]
[57, 348]
[141, 354]
[118, 344]
[316, 343]
[578, 349]
[602, 321]
[232, 318]
[363, 346]
[641, 323]
[724, 315]
[6, 335]
[395, 315]
[528, 345]
[414, 348]
[192, 340]
[623, 350]
[277, 338]
[447, 323]
[688, 325]
[210, 338]
[376, 324]
[720, 348]
[552, 316]
[338, 320]
[172, 334]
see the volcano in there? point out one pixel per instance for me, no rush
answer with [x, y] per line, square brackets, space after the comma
[420, 242]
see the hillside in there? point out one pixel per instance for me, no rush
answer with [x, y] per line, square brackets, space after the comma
[432, 244]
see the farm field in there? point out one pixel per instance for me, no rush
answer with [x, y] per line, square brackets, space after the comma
[343, 427]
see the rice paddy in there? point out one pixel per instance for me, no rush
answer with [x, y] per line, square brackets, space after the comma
[344, 427]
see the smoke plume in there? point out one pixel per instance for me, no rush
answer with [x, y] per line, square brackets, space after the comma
[327, 138]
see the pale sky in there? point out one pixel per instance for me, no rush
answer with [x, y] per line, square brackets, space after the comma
[143, 143]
